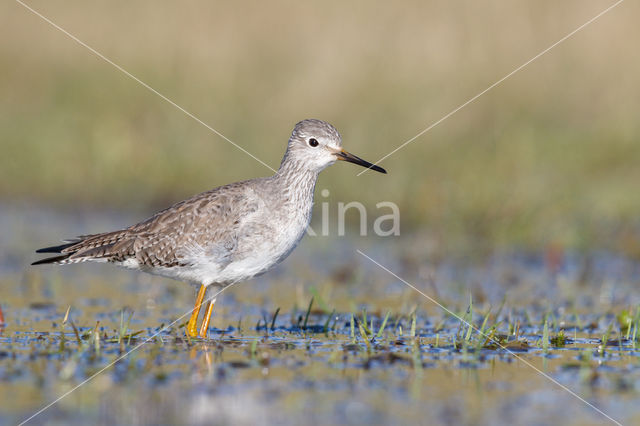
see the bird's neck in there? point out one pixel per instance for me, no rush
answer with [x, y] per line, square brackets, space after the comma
[297, 182]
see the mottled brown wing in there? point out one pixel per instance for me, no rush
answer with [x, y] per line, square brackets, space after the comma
[207, 222]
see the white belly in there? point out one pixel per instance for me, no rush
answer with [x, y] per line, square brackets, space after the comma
[265, 254]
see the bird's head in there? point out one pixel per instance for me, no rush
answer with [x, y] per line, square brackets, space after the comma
[316, 144]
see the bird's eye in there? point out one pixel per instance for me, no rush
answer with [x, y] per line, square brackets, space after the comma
[313, 142]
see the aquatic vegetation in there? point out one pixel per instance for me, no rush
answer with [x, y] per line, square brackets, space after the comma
[362, 348]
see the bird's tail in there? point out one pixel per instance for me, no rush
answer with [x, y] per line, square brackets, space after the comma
[56, 249]
[97, 247]
[55, 259]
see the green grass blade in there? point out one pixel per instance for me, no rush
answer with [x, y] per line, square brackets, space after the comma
[273, 320]
[306, 317]
[326, 324]
[353, 330]
[384, 323]
[413, 325]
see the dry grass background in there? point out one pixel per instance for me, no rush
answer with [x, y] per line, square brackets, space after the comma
[549, 156]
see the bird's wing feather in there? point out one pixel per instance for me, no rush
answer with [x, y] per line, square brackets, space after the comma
[208, 221]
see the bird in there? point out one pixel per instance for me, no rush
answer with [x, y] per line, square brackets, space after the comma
[229, 234]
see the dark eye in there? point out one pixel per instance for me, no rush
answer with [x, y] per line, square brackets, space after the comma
[313, 142]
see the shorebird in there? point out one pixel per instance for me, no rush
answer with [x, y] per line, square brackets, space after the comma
[228, 234]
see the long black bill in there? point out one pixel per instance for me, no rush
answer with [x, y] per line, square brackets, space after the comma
[347, 156]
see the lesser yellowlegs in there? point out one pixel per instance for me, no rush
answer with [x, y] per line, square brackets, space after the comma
[225, 235]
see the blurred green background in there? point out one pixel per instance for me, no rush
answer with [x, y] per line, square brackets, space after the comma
[549, 157]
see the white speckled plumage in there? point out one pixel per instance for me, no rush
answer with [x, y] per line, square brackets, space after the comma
[230, 233]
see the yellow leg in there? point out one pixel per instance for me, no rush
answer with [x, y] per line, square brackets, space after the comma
[204, 327]
[192, 327]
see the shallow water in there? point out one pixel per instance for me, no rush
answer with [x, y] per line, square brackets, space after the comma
[422, 368]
